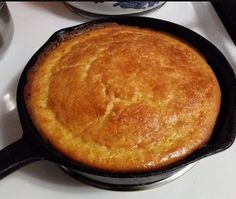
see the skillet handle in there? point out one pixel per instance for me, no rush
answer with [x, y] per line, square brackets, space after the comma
[18, 154]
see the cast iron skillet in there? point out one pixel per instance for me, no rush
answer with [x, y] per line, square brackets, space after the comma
[32, 146]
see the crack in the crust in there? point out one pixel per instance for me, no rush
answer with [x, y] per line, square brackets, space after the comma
[110, 106]
[69, 48]
[137, 97]
[107, 112]
[99, 121]
[88, 66]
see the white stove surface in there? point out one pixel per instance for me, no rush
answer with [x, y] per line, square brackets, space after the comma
[212, 177]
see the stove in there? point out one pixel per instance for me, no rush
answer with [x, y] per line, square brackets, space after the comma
[34, 23]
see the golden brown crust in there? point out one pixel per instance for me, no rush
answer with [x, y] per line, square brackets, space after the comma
[122, 98]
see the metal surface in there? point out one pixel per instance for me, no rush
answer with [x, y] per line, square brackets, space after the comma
[141, 186]
[6, 28]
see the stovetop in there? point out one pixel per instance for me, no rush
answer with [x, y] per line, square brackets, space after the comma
[34, 22]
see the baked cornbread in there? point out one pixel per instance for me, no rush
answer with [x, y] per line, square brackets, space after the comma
[122, 98]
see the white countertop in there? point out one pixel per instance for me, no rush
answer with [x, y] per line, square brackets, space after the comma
[212, 177]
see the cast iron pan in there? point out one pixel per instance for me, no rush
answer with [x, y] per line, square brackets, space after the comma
[32, 146]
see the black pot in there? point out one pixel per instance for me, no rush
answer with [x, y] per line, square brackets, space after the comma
[32, 146]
